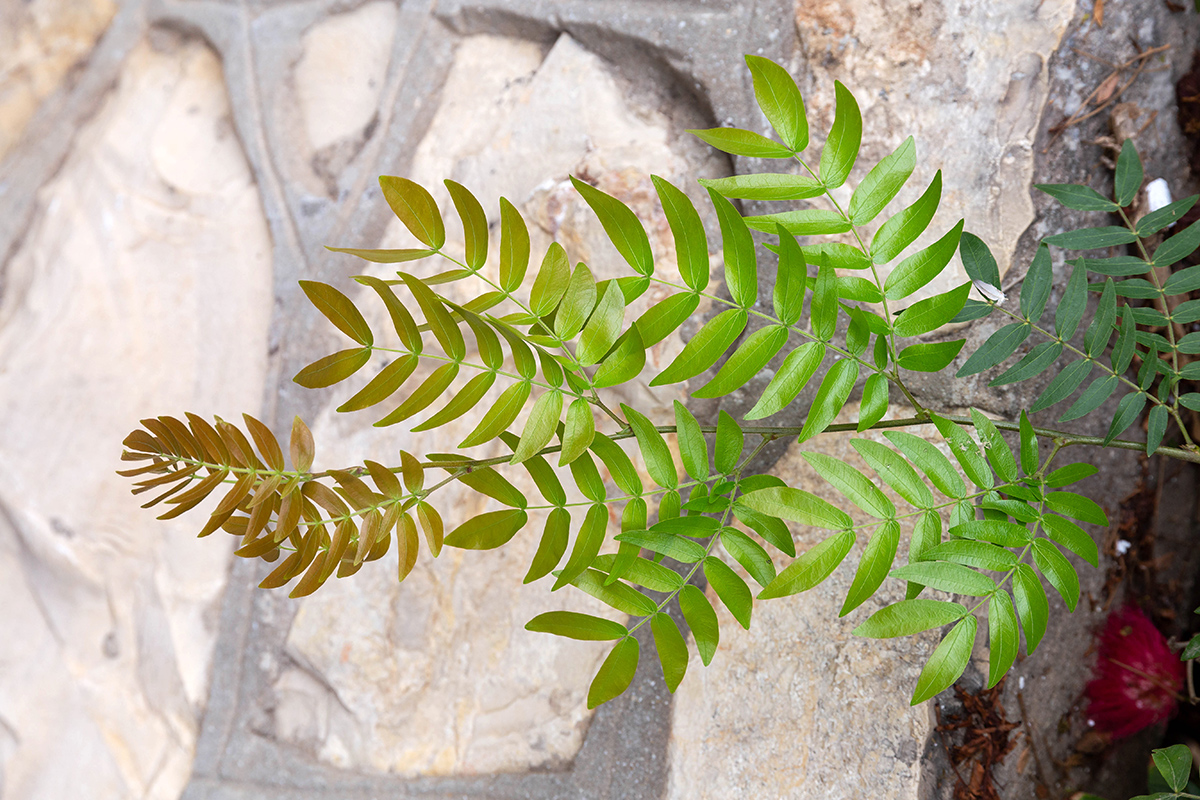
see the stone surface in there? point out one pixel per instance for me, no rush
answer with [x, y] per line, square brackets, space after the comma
[148, 248]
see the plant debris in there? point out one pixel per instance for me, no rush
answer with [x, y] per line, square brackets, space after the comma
[983, 740]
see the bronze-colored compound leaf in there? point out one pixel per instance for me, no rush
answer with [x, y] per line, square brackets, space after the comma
[209, 439]
[407, 546]
[385, 479]
[280, 576]
[266, 442]
[302, 447]
[413, 472]
[234, 497]
[431, 523]
[326, 498]
[372, 526]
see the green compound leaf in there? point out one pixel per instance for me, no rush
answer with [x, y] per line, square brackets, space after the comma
[587, 545]
[667, 544]
[615, 674]
[475, 227]
[812, 567]
[551, 282]
[750, 554]
[998, 453]
[1169, 214]
[1092, 398]
[732, 590]
[831, 397]
[693, 449]
[923, 266]
[999, 346]
[1036, 361]
[552, 545]
[486, 480]
[338, 309]
[901, 230]
[384, 256]
[1063, 384]
[416, 208]
[703, 349]
[1080, 198]
[1095, 339]
[1128, 411]
[978, 260]
[622, 597]
[789, 381]
[1073, 304]
[895, 471]
[514, 247]
[748, 360]
[431, 389]
[874, 401]
[780, 101]
[642, 572]
[603, 326]
[654, 449]
[702, 620]
[729, 443]
[574, 625]
[1072, 537]
[929, 356]
[487, 531]
[948, 661]
[1071, 473]
[824, 309]
[1035, 288]
[947, 577]
[1156, 426]
[765, 186]
[857, 487]
[672, 650]
[500, 415]
[1174, 763]
[931, 313]
[1076, 506]
[909, 617]
[1032, 605]
[540, 427]
[930, 460]
[876, 560]
[1178, 247]
[796, 505]
[1003, 636]
[333, 368]
[970, 553]
[791, 280]
[845, 137]
[1092, 238]
[624, 362]
[966, 451]
[771, 529]
[620, 467]
[1057, 570]
[806, 222]
[445, 329]
[996, 531]
[1129, 174]
[577, 303]
[739, 142]
[622, 226]
[578, 431]
[882, 183]
[691, 245]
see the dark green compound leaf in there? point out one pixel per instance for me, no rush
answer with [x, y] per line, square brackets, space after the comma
[1036, 361]
[812, 567]
[487, 531]
[1035, 288]
[1095, 339]
[703, 349]
[1071, 473]
[333, 368]
[1092, 398]
[622, 226]
[1072, 537]
[1178, 247]
[996, 531]
[765, 186]
[845, 137]
[1080, 198]
[574, 625]
[1128, 411]
[666, 544]
[741, 142]
[338, 309]
[654, 449]
[750, 554]
[1137, 289]
[831, 397]
[587, 545]
[973, 310]
[931, 313]
[475, 227]
[1076, 506]
[929, 459]
[1117, 266]
[909, 617]
[615, 674]
[1129, 174]
[732, 590]
[971, 553]
[996, 449]
[1003, 637]
[780, 101]
[978, 260]
[416, 208]
[1156, 426]
[1174, 763]
[1182, 282]
[741, 271]
[702, 620]
[729, 443]
[901, 230]
[999, 346]
[966, 451]
[874, 401]
[1057, 570]
[929, 356]
[672, 650]
[948, 661]
[1169, 214]
[947, 577]
[895, 471]
[1092, 238]
[882, 183]
[1032, 605]
[747, 360]
[1029, 446]
[923, 266]
[1073, 304]
[806, 222]
[873, 567]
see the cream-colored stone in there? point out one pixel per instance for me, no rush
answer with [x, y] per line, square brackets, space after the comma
[40, 41]
[438, 673]
[340, 75]
[970, 74]
[143, 287]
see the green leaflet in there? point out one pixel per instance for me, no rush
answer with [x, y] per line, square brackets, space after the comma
[405, 325]
[845, 137]
[741, 271]
[794, 373]
[796, 505]
[578, 430]
[747, 361]
[654, 449]
[771, 529]
[895, 471]
[1095, 339]
[732, 590]
[729, 443]
[909, 617]
[703, 349]
[574, 625]
[672, 650]
[514, 247]
[475, 227]
[901, 230]
[587, 545]
[624, 362]
[500, 415]
[805, 222]
[1178, 247]
[1072, 537]
[836, 254]
[552, 545]
[996, 531]
[1073, 304]
[1182, 282]
[702, 620]
[1080, 198]
[384, 256]
[882, 183]
[1034, 363]
[551, 282]
[780, 101]
[490, 352]
[487, 531]
[487, 481]
[416, 208]
[1076, 506]
[791, 280]
[978, 260]
[333, 368]
[1129, 174]
[741, 142]
[925, 455]
[615, 674]
[1029, 445]
[338, 309]
[857, 487]
[1092, 238]
[831, 397]
[750, 554]
[619, 466]
[923, 266]
[998, 453]
[577, 303]
[812, 567]
[665, 317]
[1174, 763]
[824, 310]
[540, 427]
[999, 346]
[1032, 605]
[929, 356]
[667, 544]
[1071, 473]
[1035, 288]
[1063, 384]
[970, 553]
[693, 450]
[931, 313]
[765, 186]
[948, 661]
[445, 329]
[460, 402]
[691, 244]
[622, 226]
[429, 390]
[973, 310]
[1156, 428]
[1155, 221]
[966, 451]
[1092, 398]
[603, 326]
[1057, 570]
[643, 572]
[1128, 411]
[876, 560]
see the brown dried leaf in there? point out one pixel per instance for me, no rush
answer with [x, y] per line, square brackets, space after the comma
[1107, 87]
[1098, 13]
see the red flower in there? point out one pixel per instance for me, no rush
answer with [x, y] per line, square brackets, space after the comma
[1137, 679]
